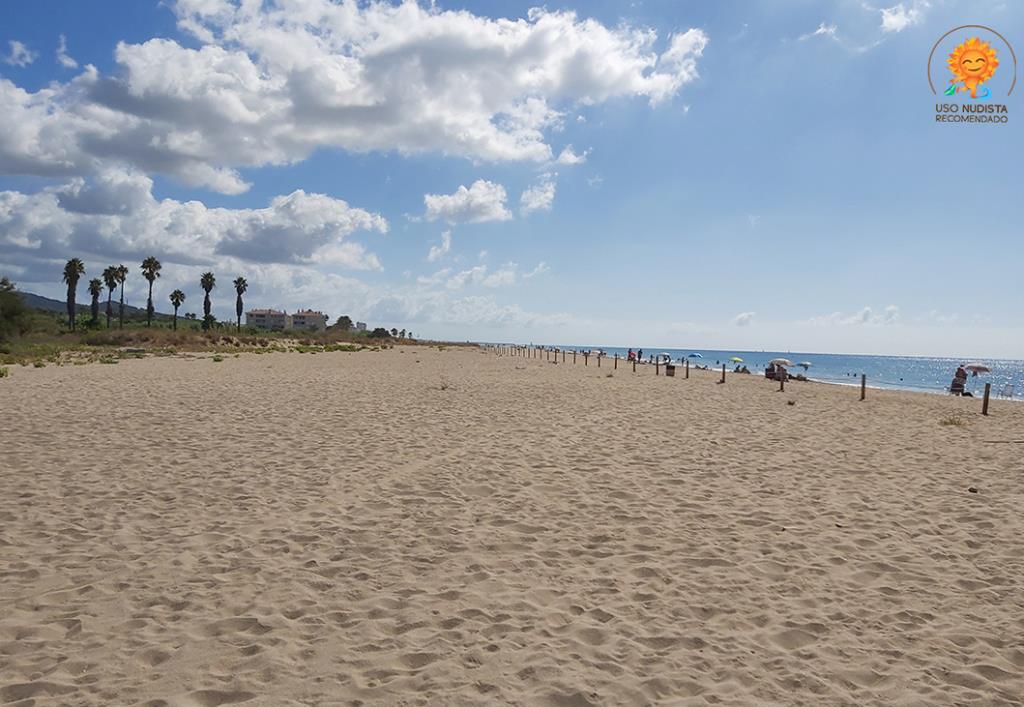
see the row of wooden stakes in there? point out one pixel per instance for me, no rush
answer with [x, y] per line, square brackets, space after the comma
[535, 352]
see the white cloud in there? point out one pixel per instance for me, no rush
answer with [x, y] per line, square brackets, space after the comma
[115, 215]
[541, 268]
[504, 276]
[539, 197]
[898, 17]
[438, 251]
[63, 58]
[270, 82]
[866, 316]
[568, 157]
[824, 30]
[743, 318]
[19, 54]
[482, 201]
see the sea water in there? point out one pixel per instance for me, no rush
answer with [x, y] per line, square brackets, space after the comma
[927, 374]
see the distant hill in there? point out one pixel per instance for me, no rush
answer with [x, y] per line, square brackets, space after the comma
[47, 304]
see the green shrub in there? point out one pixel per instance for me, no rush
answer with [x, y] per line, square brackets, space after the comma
[4, 373]
[15, 317]
[218, 359]
[39, 364]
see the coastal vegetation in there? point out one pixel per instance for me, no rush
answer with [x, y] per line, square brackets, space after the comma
[40, 334]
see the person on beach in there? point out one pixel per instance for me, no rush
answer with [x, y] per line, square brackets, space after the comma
[640, 355]
[630, 356]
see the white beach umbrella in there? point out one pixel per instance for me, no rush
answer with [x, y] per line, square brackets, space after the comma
[977, 368]
[804, 364]
[780, 362]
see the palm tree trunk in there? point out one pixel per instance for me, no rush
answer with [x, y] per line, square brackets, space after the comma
[71, 306]
[110, 310]
[149, 306]
[175, 323]
[95, 310]
[120, 313]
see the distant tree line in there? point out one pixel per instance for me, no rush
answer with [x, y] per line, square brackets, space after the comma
[15, 318]
[114, 277]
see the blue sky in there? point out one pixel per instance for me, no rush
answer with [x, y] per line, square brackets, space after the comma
[721, 175]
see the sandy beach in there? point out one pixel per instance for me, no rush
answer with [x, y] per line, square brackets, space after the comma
[426, 527]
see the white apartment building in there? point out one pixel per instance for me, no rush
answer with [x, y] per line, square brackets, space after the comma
[308, 320]
[268, 319]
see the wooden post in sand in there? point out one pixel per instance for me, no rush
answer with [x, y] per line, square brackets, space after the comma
[687, 368]
[563, 355]
[863, 385]
[723, 373]
[599, 360]
[574, 356]
[782, 383]
[616, 366]
[657, 365]
[984, 401]
[586, 358]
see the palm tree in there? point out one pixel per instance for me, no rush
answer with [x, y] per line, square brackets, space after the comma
[151, 271]
[73, 270]
[207, 282]
[110, 279]
[121, 272]
[95, 289]
[240, 287]
[177, 297]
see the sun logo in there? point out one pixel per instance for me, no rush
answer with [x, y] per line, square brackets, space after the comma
[972, 64]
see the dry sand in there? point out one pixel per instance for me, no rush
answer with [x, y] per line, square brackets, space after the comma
[426, 527]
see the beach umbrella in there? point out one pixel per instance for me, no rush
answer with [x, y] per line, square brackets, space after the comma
[780, 362]
[736, 359]
[805, 364]
[977, 368]
[695, 355]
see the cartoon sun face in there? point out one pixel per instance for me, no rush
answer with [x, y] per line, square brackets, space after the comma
[972, 63]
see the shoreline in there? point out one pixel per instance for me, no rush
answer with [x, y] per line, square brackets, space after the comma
[754, 374]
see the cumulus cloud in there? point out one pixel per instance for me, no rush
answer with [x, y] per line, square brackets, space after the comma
[19, 54]
[539, 197]
[115, 215]
[63, 58]
[898, 17]
[865, 317]
[482, 201]
[270, 82]
[568, 157]
[743, 318]
[438, 251]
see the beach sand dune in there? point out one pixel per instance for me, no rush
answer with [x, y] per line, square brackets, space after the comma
[425, 527]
